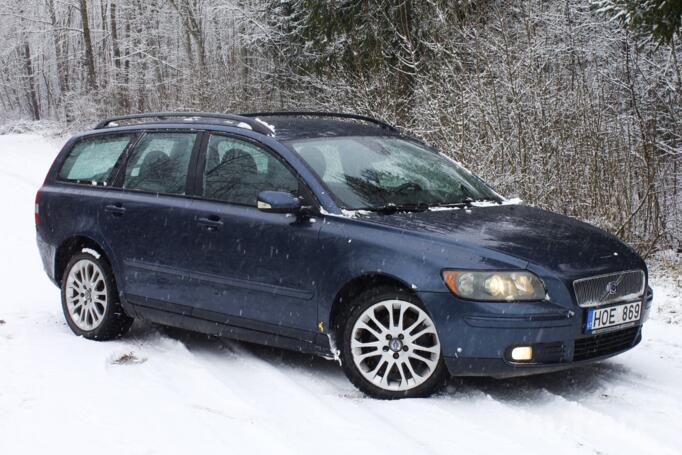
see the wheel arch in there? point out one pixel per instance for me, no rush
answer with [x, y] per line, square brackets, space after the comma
[71, 246]
[343, 300]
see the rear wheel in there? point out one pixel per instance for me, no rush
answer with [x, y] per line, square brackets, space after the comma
[90, 299]
[390, 346]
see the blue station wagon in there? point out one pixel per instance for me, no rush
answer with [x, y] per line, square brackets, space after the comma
[332, 234]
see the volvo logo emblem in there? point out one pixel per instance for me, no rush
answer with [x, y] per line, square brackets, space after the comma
[395, 345]
[612, 287]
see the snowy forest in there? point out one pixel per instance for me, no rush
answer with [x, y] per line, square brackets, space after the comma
[569, 105]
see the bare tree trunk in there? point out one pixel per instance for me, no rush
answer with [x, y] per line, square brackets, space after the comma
[65, 53]
[407, 64]
[58, 52]
[116, 55]
[125, 56]
[116, 51]
[89, 55]
[31, 92]
[192, 27]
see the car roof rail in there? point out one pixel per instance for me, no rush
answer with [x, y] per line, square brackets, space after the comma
[363, 118]
[232, 119]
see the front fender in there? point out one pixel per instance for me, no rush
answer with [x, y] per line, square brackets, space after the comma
[352, 248]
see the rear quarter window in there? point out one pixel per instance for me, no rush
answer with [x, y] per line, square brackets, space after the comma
[92, 161]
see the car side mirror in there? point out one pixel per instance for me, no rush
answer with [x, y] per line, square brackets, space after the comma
[278, 202]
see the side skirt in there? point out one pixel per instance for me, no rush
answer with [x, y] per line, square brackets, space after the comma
[318, 345]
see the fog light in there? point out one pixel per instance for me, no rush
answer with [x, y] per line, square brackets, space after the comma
[522, 353]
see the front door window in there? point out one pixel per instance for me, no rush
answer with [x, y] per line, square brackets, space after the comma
[236, 171]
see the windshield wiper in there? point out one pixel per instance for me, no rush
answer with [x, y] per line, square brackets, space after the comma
[391, 208]
[486, 199]
[466, 202]
[395, 208]
[469, 199]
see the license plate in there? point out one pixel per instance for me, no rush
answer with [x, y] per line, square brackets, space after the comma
[602, 319]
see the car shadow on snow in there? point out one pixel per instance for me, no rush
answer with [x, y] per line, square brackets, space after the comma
[573, 384]
[199, 342]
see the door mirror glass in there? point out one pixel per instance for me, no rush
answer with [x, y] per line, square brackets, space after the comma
[278, 202]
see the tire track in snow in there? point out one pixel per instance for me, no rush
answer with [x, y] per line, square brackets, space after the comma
[291, 394]
[21, 179]
[611, 395]
[225, 418]
[433, 425]
[565, 394]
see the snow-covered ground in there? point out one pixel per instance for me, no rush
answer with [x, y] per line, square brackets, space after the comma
[168, 393]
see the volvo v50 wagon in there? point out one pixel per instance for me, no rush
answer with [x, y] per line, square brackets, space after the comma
[331, 234]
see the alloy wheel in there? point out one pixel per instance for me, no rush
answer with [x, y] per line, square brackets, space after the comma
[86, 294]
[394, 345]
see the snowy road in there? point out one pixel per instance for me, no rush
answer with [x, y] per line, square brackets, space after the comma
[184, 393]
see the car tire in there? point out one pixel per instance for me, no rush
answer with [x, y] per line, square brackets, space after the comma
[384, 356]
[90, 299]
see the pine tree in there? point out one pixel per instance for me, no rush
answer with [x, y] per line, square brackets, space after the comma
[658, 19]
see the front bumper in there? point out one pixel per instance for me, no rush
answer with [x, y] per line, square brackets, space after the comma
[477, 337]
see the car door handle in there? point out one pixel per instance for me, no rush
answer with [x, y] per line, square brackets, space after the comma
[115, 209]
[210, 223]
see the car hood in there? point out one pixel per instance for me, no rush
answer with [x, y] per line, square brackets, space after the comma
[544, 239]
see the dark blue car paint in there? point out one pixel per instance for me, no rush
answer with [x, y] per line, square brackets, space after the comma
[273, 278]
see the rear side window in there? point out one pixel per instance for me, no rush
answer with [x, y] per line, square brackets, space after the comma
[92, 161]
[160, 163]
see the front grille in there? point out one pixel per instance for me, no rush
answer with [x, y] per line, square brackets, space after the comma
[605, 344]
[605, 289]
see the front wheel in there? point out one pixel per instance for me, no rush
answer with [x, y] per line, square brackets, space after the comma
[90, 299]
[390, 346]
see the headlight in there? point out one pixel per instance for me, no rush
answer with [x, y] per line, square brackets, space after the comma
[494, 285]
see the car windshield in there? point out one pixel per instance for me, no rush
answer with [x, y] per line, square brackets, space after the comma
[368, 172]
